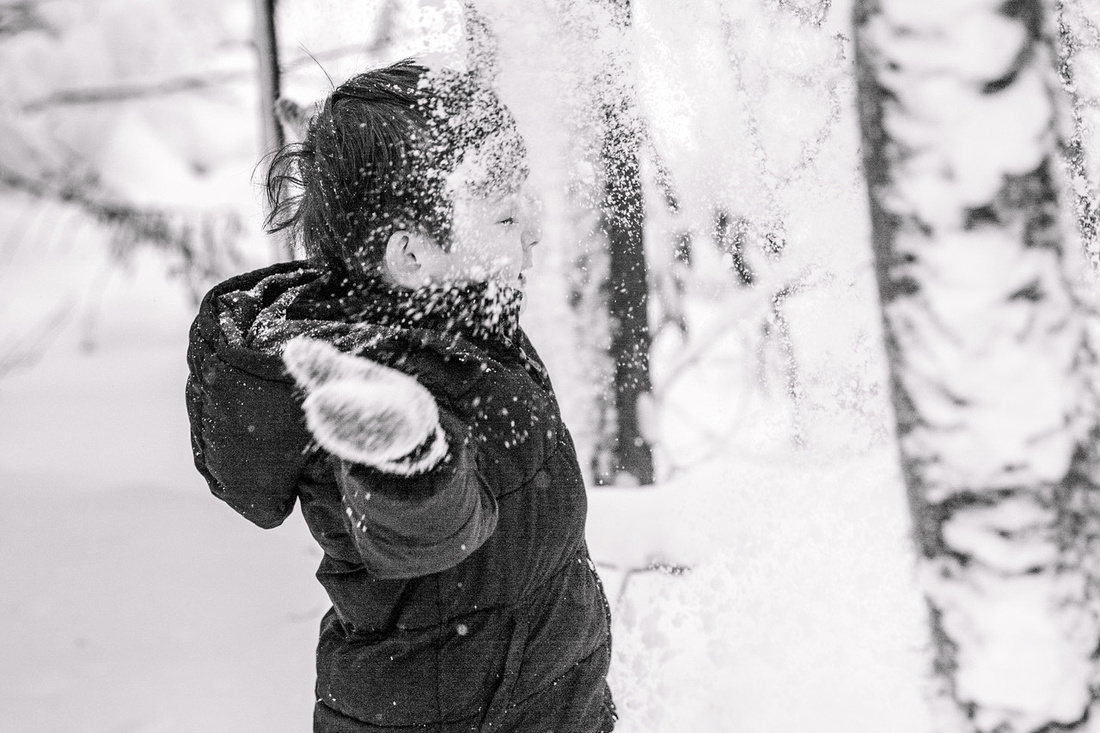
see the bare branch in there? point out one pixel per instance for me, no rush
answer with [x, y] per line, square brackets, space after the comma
[125, 92]
[140, 90]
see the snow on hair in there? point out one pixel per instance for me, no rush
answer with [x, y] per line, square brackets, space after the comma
[380, 154]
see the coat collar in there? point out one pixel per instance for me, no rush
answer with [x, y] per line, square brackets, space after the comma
[260, 311]
[484, 311]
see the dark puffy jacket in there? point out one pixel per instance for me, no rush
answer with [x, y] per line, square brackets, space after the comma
[511, 635]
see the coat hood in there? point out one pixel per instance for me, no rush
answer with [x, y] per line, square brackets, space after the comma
[248, 436]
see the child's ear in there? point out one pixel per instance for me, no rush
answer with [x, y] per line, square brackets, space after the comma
[409, 259]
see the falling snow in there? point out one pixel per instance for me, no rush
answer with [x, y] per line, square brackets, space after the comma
[766, 583]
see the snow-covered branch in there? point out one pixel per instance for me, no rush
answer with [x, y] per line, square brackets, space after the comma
[203, 243]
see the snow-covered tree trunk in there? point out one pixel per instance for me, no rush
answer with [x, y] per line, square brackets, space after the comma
[617, 285]
[987, 340]
[628, 296]
[566, 68]
[1079, 37]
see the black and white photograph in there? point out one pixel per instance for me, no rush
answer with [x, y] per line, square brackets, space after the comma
[555, 366]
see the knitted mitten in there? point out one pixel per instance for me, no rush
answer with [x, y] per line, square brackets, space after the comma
[364, 412]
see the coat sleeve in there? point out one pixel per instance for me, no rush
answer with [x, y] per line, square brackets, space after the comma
[405, 527]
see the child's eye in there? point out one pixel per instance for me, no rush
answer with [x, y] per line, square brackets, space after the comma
[507, 221]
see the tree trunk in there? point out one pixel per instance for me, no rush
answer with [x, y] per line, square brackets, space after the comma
[621, 452]
[628, 296]
[267, 61]
[988, 350]
[267, 64]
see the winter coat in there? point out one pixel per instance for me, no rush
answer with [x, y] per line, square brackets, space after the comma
[463, 599]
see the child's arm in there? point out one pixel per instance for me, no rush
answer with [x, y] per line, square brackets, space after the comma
[411, 491]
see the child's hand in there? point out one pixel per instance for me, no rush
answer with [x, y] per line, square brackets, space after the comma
[364, 412]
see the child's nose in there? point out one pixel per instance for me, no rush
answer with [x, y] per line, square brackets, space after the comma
[531, 233]
[532, 220]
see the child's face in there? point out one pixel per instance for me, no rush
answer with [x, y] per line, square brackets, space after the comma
[492, 238]
[494, 224]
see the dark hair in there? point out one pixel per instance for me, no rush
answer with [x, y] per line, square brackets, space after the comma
[377, 157]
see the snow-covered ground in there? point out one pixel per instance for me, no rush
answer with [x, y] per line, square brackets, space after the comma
[132, 600]
[129, 600]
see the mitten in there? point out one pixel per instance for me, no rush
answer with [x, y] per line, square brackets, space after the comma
[364, 412]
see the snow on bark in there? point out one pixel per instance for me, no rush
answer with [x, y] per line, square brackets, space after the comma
[988, 347]
[1079, 67]
[627, 288]
[609, 288]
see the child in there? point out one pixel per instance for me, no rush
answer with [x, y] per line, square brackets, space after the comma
[385, 385]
